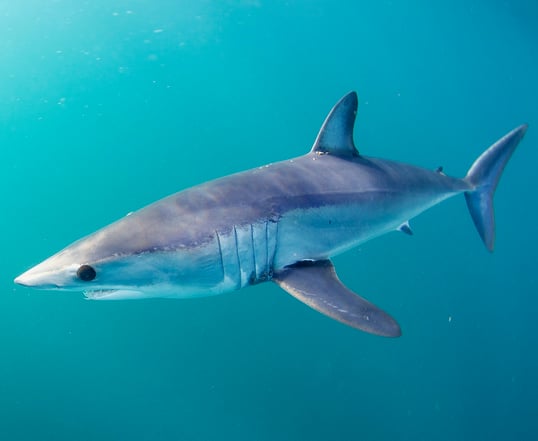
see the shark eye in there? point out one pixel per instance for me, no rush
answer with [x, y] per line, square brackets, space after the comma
[86, 273]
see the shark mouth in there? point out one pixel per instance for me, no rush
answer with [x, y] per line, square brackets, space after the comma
[113, 294]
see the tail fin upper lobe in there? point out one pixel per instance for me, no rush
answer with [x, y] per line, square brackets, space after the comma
[484, 176]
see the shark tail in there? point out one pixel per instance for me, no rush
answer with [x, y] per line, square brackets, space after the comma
[483, 176]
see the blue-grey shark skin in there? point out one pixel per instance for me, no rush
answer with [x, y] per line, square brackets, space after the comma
[280, 222]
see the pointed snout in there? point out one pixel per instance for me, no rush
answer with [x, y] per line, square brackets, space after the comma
[35, 278]
[52, 273]
[21, 280]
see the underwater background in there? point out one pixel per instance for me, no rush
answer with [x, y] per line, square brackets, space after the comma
[106, 106]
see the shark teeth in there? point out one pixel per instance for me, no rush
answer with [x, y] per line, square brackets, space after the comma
[98, 294]
[113, 294]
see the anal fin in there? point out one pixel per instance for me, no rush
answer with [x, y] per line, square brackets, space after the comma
[317, 285]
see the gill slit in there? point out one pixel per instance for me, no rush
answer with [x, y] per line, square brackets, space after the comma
[270, 270]
[238, 259]
[253, 249]
[266, 270]
[220, 253]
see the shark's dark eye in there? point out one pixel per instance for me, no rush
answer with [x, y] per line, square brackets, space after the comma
[86, 273]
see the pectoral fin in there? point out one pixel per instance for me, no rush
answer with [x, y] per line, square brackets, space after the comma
[316, 284]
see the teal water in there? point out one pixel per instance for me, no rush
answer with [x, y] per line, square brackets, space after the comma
[108, 106]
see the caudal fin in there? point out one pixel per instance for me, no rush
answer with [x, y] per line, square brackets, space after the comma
[484, 176]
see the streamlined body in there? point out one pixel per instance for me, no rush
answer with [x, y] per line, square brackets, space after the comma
[281, 222]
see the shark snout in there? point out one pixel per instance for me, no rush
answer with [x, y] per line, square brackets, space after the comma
[34, 278]
[21, 280]
[49, 274]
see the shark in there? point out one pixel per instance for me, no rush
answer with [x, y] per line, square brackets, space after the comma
[280, 223]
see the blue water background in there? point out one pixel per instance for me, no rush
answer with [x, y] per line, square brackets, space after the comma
[106, 106]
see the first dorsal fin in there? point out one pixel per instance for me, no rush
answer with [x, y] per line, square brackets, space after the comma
[336, 134]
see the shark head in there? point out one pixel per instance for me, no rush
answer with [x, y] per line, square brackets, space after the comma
[120, 262]
[88, 266]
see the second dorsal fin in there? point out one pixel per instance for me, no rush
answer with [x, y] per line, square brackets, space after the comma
[336, 134]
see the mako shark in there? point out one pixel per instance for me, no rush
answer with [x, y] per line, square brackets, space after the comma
[281, 222]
